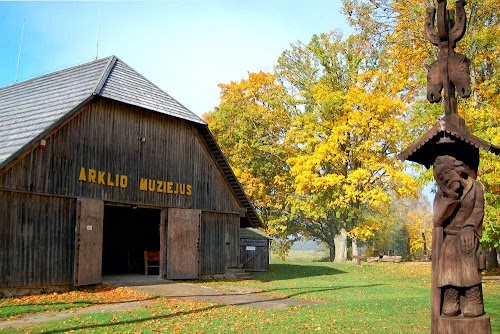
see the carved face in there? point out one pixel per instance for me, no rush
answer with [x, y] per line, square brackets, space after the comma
[450, 176]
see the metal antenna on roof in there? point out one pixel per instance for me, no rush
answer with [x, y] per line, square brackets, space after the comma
[19, 54]
[98, 29]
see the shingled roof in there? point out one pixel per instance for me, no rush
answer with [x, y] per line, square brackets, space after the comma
[32, 108]
[253, 233]
[422, 150]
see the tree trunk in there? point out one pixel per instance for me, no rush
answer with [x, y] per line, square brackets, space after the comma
[355, 251]
[332, 253]
[491, 258]
[408, 249]
[341, 246]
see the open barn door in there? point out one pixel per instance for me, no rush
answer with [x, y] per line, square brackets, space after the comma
[183, 243]
[88, 241]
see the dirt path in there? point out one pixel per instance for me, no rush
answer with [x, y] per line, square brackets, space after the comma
[240, 297]
[154, 286]
[41, 317]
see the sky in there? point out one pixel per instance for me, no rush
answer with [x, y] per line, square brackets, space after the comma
[185, 47]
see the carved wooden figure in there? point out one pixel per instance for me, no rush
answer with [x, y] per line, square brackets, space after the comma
[450, 72]
[457, 260]
[459, 210]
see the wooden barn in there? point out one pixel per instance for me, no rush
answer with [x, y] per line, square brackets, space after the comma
[99, 166]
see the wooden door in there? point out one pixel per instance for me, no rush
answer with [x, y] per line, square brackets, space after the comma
[183, 243]
[212, 244]
[254, 254]
[232, 240]
[88, 241]
[163, 243]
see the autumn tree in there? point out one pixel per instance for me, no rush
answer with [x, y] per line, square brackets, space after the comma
[345, 138]
[403, 226]
[250, 125]
[340, 111]
[395, 28]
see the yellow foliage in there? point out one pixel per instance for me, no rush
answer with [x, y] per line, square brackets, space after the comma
[366, 229]
[395, 30]
[418, 223]
[350, 154]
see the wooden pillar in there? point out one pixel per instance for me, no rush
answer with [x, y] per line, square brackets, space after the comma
[437, 240]
[450, 325]
[163, 244]
[458, 325]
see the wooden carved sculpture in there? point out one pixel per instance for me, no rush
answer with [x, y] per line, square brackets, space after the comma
[457, 260]
[459, 202]
[450, 72]
[459, 211]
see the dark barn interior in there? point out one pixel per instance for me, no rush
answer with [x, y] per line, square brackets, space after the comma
[127, 233]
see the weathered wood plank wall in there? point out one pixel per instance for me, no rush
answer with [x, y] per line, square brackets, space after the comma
[37, 236]
[88, 248]
[217, 245]
[163, 243]
[254, 254]
[233, 242]
[183, 255]
[105, 139]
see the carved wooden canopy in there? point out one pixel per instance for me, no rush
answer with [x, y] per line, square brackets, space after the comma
[446, 138]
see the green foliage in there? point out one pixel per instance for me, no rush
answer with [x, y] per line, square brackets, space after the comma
[315, 143]
[399, 241]
[406, 229]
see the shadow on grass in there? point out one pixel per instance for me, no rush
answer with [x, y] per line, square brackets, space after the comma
[285, 271]
[79, 302]
[265, 298]
[204, 309]
[259, 293]
[133, 321]
[19, 310]
[319, 289]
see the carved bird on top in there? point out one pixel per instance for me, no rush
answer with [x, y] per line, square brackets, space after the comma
[450, 72]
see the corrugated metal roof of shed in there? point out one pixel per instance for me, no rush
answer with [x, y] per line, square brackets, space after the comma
[30, 107]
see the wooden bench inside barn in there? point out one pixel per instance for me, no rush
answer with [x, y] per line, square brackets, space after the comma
[151, 260]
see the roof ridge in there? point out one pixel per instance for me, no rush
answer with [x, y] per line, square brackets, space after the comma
[152, 83]
[105, 74]
[42, 103]
[53, 73]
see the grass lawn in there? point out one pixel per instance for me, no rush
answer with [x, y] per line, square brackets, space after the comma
[374, 298]
[302, 256]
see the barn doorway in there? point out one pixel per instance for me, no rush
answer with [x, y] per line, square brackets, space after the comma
[127, 233]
